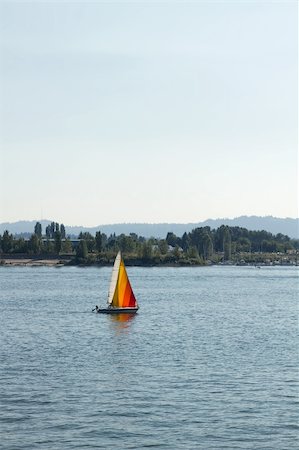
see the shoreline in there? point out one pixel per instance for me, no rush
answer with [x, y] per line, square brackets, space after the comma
[31, 262]
[63, 262]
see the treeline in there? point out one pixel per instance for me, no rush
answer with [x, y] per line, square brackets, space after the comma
[200, 246]
[53, 242]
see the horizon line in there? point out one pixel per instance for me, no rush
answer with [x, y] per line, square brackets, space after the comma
[151, 223]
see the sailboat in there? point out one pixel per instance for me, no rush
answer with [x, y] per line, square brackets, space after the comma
[121, 298]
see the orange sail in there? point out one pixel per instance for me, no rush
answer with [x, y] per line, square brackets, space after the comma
[121, 294]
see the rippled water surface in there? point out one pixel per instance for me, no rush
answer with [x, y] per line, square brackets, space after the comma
[209, 362]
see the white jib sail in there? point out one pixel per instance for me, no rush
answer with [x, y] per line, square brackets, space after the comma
[114, 277]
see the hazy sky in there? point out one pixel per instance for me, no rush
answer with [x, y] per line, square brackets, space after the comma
[149, 111]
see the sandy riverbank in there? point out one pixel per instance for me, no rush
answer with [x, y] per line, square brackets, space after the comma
[32, 262]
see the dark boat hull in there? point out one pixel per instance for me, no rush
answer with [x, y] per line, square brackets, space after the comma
[117, 310]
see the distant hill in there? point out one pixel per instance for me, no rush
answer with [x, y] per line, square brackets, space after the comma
[274, 225]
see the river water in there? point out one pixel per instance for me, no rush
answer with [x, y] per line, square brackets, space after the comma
[209, 362]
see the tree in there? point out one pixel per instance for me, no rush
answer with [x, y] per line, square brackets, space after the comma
[147, 250]
[81, 251]
[111, 243]
[126, 243]
[20, 246]
[172, 239]
[49, 247]
[176, 252]
[269, 246]
[243, 245]
[89, 239]
[99, 241]
[52, 229]
[207, 246]
[282, 238]
[193, 252]
[34, 244]
[163, 246]
[185, 242]
[48, 231]
[196, 238]
[104, 240]
[218, 239]
[57, 238]
[66, 246]
[38, 230]
[7, 242]
[62, 231]
[227, 244]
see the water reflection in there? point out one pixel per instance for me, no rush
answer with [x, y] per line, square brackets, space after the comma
[122, 322]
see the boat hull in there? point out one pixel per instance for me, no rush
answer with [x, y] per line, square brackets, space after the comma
[117, 311]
